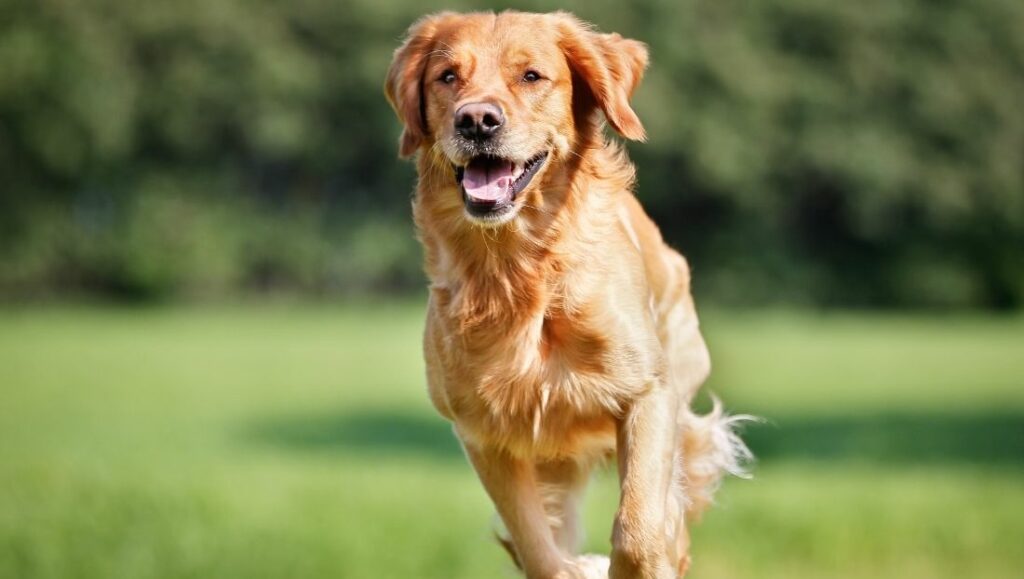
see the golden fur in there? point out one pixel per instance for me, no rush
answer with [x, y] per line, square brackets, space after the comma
[566, 332]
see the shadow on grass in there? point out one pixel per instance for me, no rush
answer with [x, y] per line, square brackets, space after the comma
[991, 438]
[372, 431]
[994, 438]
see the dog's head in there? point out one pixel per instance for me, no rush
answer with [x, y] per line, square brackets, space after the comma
[500, 99]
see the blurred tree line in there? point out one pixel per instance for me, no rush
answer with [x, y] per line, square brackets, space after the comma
[802, 151]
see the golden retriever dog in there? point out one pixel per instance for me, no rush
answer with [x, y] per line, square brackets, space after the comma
[560, 328]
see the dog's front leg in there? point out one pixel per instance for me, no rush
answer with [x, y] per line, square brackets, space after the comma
[647, 445]
[512, 485]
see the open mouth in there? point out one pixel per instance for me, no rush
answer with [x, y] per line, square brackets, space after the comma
[490, 184]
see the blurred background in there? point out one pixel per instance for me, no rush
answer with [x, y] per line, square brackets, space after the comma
[211, 296]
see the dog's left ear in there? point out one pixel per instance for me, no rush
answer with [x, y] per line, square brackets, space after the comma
[610, 65]
[404, 85]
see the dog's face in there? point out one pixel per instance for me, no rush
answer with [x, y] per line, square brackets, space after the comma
[499, 99]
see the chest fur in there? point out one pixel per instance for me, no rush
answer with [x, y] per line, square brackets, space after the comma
[545, 384]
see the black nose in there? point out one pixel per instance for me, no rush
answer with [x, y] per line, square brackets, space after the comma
[478, 121]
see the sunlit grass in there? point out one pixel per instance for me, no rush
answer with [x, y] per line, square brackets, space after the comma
[298, 442]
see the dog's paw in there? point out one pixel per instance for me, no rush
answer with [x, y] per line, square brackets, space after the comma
[591, 566]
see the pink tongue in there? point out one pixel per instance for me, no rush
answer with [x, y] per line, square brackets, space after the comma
[489, 180]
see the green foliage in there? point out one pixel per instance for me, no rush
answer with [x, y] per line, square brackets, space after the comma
[164, 244]
[801, 150]
[870, 153]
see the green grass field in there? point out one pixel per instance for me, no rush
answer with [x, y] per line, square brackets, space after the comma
[297, 441]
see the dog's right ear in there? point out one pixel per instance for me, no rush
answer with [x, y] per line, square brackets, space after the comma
[404, 84]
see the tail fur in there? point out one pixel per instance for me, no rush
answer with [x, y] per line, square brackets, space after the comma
[711, 448]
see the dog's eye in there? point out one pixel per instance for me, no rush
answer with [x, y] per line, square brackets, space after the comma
[531, 76]
[448, 76]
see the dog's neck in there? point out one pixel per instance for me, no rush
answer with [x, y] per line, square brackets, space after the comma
[498, 275]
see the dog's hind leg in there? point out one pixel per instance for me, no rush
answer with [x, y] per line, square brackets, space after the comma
[562, 484]
[511, 483]
[514, 486]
